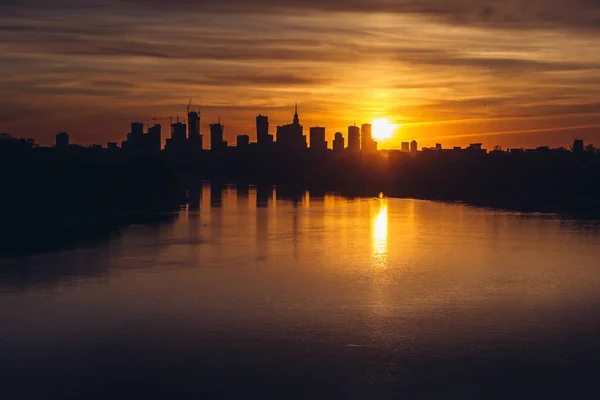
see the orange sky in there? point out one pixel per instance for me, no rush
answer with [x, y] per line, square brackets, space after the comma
[512, 73]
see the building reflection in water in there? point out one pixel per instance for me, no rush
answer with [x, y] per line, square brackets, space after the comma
[380, 233]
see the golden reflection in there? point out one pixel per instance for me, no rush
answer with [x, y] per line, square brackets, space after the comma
[380, 232]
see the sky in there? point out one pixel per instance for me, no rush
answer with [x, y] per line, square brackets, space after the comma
[514, 73]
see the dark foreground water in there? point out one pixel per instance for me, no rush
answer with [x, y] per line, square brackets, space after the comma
[257, 294]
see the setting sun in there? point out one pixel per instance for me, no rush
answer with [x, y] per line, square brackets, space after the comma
[382, 129]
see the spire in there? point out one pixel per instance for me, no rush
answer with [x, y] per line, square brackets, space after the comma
[296, 119]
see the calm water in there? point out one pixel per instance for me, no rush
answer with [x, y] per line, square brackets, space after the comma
[275, 295]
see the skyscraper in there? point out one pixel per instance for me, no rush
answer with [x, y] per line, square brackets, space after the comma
[413, 146]
[353, 138]
[317, 138]
[137, 129]
[291, 136]
[193, 124]
[578, 146]
[262, 131]
[216, 137]
[405, 146]
[154, 138]
[338, 142]
[194, 136]
[367, 142]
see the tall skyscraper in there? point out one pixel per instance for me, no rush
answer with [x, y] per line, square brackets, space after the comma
[154, 138]
[578, 146]
[405, 146]
[262, 131]
[193, 124]
[367, 143]
[317, 138]
[366, 136]
[353, 138]
[338, 142]
[291, 136]
[413, 146]
[194, 136]
[216, 137]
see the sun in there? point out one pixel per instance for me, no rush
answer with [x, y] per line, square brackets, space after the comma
[382, 129]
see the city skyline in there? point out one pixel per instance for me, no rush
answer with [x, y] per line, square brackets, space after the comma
[525, 69]
[188, 132]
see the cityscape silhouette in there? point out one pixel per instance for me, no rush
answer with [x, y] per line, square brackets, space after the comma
[269, 199]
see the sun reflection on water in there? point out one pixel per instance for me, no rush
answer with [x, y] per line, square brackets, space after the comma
[380, 232]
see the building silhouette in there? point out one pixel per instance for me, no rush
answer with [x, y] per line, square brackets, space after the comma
[112, 146]
[291, 137]
[62, 140]
[317, 138]
[262, 131]
[367, 143]
[178, 132]
[243, 141]
[578, 146]
[413, 146]
[338, 142]
[216, 137]
[154, 138]
[178, 140]
[353, 138]
[405, 146]
[194, 136]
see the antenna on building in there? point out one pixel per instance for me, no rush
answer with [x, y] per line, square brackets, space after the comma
[189, 105]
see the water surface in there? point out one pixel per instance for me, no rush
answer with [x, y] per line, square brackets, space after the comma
[263, 293]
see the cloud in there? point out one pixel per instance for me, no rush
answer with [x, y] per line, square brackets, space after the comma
[514, 14]
[344, 61]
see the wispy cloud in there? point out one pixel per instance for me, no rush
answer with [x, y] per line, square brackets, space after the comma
[90, 66]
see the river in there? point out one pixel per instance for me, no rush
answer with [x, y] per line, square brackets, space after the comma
[262, 293]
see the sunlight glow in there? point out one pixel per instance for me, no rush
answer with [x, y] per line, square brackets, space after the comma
[380, 232]
[382, 129]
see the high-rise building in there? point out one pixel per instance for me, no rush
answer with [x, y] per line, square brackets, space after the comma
[413, 146]
[137, 129]
[154, 138]
[291, 136]
[178, 133]
[193, 124]
[353, 138]
[262, 131]
[317, 138]
[405, 146]
[135, 137]
[194, 136]
[367, 143]
[338, 142]
[216, 137]
[438, 146]
[366, 136]
[62, 140]
[243, 141]
[578, 146]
